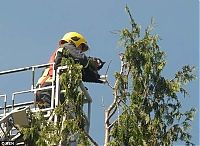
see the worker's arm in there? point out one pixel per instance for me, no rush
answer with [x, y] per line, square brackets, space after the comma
[69, 50]
[96, 63]
[76, 54]
[63, 51]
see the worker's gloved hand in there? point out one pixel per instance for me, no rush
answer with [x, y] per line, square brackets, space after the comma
[103, 78]
[98, 63]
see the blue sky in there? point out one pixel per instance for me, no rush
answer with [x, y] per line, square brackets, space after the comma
[30, 31]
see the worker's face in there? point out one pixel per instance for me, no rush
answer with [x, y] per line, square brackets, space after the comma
[62, 43]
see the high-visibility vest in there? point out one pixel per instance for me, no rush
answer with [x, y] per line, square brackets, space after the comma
[48, 72]
[51, 60]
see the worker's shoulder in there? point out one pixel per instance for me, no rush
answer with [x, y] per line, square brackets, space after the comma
[67, 46]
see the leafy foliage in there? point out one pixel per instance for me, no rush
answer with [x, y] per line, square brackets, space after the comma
[152, 114]
[71, 119]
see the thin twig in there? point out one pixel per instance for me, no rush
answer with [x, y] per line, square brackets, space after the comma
[91, 139]
[109, 84]
[106, 75]
[108, 67]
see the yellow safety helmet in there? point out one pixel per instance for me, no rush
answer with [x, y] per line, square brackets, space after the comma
[77, 39]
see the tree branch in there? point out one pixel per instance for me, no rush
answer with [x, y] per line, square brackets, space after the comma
[90, 138]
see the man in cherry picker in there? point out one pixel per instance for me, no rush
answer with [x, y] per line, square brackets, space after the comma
[71, 45]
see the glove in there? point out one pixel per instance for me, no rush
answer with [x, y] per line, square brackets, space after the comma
[103, 78]
[99, 63]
